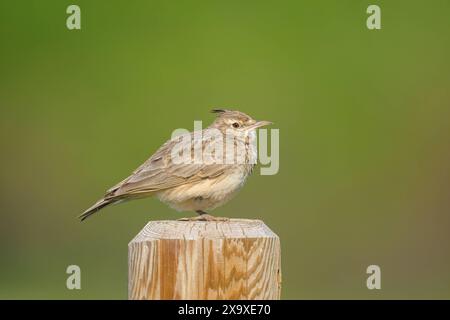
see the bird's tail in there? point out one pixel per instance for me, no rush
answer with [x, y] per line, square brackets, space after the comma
[97, 206]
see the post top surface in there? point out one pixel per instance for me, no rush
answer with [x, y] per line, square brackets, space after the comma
[191, 230]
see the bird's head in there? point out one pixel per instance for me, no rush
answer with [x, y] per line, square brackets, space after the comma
[235, 121]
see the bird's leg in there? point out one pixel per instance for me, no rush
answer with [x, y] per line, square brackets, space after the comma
[204, 216]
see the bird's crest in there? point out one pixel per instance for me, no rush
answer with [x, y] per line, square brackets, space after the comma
[220, 111]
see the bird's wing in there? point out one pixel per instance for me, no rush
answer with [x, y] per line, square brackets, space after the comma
[160, 172]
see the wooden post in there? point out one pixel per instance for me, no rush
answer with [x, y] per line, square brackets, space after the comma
[235, 259]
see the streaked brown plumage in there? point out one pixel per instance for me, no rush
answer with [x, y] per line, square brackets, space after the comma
[187, 186]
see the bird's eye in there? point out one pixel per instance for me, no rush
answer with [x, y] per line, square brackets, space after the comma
[235, 125]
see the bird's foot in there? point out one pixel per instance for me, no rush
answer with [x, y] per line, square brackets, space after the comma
[204, 217]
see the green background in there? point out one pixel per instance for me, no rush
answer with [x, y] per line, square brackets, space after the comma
[364, 120]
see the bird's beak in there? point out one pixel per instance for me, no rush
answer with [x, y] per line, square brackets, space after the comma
[259, 124]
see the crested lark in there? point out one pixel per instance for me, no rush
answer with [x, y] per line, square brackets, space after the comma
[192, 185]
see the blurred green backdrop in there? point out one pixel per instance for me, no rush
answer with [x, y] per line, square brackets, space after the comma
[364, 119]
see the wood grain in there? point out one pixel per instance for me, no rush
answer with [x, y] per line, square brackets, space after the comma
[235, 259]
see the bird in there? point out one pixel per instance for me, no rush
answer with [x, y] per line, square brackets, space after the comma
[188, 185]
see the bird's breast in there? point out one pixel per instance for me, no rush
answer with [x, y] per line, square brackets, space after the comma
[207, 193]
